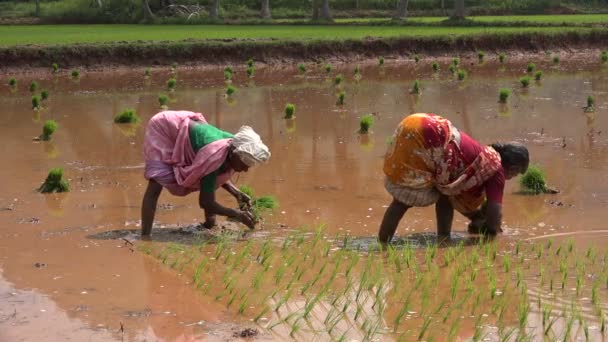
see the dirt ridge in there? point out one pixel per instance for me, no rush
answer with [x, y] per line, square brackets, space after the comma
[277, 51]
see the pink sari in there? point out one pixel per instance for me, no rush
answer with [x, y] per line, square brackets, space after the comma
[170, 159]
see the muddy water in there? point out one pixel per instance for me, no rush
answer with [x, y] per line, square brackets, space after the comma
[322, 172]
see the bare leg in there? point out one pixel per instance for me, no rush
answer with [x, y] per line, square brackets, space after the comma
[445, 215]
[148, 206]
[392, 216]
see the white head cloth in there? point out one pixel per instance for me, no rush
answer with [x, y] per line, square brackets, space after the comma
[249, 147]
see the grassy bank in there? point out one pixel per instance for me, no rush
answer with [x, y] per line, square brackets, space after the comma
[70, 34]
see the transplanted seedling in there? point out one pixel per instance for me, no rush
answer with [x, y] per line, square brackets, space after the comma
[75, 73]
[503, 95]
[33, 86]
[50, 126]
[290, 111]
[338, 79]
[435, 66]
[127, 116]
[12, 82]
[525, 81]
[533, 181]
[35, 102]
[604, 56]
[340, 100]
[415, 88]
[530, 68]
[55, 68]
[416, 58]
[171, 83]
[590, 104]
[147, 72]
[538, 75]
[230, 90]
[480, 55]
[455, 61]
[302, 68]
[328, 68]
[250, 71]
[44, 94]
[502, 57]
[366, 123]
[250, 62]
[259, 205]
[55, 182]
[163, 100]
[555, 59]
[381, 61]
[462, 74]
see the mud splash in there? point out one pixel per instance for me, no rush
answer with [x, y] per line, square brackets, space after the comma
[321, 171]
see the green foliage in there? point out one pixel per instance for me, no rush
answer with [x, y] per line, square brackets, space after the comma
[341, 97]
[381, 60]
[227, 75]
[533, 181]
[462, 74]
[435, 66]
[171, 83]
[49, 127]
[163, 100]
[328, 68]
[525, 81]
[230, 90]
[452, 68]
[357, 70]
[590, 104]
[530, 68]
[228, 69]
[127, 116]
[250, 62]
[455, 61]
[338, 79]
[54, 182]
[12, 82]
[501, 57]
[290, 110]
[415, 87]
[503, 95]
[538, 75]
[480, 55]
[366, 123]
[250, 71]
[259, 205]
[55, 68]
[302, 68]
[555, 59]
[44, 94]
[33, 86]
[35, 102]
[75, 73]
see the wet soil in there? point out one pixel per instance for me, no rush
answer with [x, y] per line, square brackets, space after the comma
[90, 280]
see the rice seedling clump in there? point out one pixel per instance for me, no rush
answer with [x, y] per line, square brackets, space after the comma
[49, 127]
[525, 81]
[533, 181]
[501, 57]
[54, 182]
[33, 86]
[75, 73]
[340, 100]
[44, 94]
[230, 90]
[171, 83]
[163, 100]
[35, 102]
[12, 82]
[366, 123]
[290, 111]
[503, 95]
[127, 116]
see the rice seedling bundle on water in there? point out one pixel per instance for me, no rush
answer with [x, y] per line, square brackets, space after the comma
[503, 95]
[533, 181]
[290, 111]
[49, 127]
[54, 182]
[230, 90]
[340, 100]
[366, 123]
[127, 116]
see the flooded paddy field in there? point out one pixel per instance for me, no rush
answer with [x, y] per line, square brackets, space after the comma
[72, 264]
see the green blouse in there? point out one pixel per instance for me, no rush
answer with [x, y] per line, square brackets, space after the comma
[200, 135]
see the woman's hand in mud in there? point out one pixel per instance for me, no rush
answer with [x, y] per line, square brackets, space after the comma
[246, 218]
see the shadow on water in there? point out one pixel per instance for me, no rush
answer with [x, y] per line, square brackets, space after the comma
[188, 234]
[416, 240]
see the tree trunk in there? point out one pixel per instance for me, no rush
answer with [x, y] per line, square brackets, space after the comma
[37, 8]
[265, 13]
[443, 10]
[402, 9]
[315, 10]
[148, 15]
[325, 14]
[458, 9]
[214, 11]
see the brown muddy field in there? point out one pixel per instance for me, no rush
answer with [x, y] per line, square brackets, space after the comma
[68, 274]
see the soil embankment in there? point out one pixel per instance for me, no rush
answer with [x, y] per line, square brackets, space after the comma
[276, 51]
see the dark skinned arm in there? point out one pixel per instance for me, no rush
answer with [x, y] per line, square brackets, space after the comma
[493, 218]
[234, 191]
[208, 203]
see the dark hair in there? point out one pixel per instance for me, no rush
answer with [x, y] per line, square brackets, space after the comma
[513, 154]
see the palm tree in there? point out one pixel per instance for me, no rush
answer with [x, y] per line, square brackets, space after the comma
[214, 11]
[402, 9]
[265, 12]
[458, 9]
